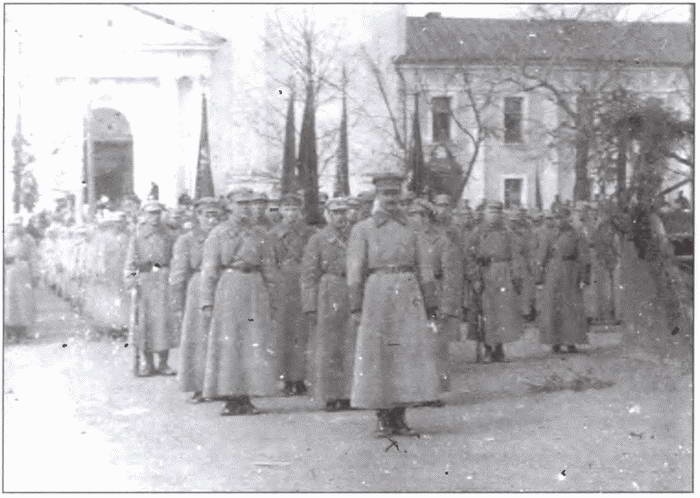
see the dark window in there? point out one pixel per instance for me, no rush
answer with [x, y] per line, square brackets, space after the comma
[441, 119]
[513, 190]
[513, 120]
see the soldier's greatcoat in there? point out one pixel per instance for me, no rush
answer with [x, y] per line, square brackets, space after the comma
[147, 259]
[185, 285]
[20, 276]
[237, 271]
[493, 256]
[108, 301]
[289, 242]
[325, 291]
[446, 262]
[391, 281]
[528, 244]
[564, 260]
[605, 270]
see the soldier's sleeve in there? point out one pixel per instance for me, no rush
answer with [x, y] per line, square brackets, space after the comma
[426, 274]
[179, 272]
[584, 258]
[470, 268]
[130, 273]
[211, 264]
[518, 256]
[452, 278]
[269, 265]
[356, 266]
[310, 274]
[541, 251]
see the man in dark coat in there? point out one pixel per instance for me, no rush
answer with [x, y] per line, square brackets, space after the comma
[147, 266]
[289, 238]
[392, 293]
[324, 293]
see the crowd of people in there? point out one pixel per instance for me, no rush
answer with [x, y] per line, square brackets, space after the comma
[358, 313]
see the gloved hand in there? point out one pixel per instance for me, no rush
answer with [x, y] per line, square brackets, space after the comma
[432, 313]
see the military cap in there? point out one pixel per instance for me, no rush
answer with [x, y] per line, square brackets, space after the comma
[442, 200]
[419, 206]
[322, 197]
[207, 203]
[291, 200]
[366, 197]
[353, 202]
[152, 206]
[337, 204]
[387, 182]
[494, 206]
[240, 194]
[259, 197]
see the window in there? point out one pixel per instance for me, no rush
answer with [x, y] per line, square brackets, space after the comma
[512, 193]
[441, 119]
[513, 120]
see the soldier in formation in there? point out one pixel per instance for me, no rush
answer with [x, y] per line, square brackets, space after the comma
[147, 270]
[185, 286]
[21, 277]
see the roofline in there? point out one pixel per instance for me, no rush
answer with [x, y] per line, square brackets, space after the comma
[562, 21]
[212, 37]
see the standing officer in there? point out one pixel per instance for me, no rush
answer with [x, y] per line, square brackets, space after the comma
[147, 267]
[185, 284]
[522, 229]
[289, 238]
[366, 200]
[324, 293]
[392, 293]
[353, 213]
[494, 262]
[259, 206]
[21, 277]
[237, 272]
[563, 267]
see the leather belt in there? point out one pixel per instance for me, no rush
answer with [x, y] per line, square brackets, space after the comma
[150, 267]
[393, 269]
[243, 268]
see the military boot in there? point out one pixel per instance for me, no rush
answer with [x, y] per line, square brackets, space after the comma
[556, 348]
[384, 425]
[300, 388]
[232, 407]
[498, 354]
[147, 368]
[246, 406]
[571, 348]
[288, 388]
[196, 398]
[401, 428]
[163, 368]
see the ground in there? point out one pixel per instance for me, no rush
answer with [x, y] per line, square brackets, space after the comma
[617, 417]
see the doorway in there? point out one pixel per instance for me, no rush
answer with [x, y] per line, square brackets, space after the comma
[513, 193]
[112, 159]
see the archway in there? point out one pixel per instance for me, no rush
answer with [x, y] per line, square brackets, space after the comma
[109, 154]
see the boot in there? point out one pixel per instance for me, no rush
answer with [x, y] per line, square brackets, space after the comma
[571, 348]
[232, 407]
[384, 426]
[163, 368]
[300, 388]
[498, 354]
[401, 428]
[556, 348]
[488, 354]
[247, 407]
[332, 405]
[147, 369]
[288, 388]
[344, 404]
[196, 398]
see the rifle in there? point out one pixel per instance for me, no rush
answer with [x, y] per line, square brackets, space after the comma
[133, 323]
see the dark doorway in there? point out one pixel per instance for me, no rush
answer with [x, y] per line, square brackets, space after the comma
[112, 154]
[513, 190]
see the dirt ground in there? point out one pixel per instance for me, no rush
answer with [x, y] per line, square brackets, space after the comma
[617, 417]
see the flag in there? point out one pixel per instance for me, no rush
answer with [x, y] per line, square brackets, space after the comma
[342, 184]
[289, 162]
[308, 159]
[204, 184]
[416, 164]
[538, 189]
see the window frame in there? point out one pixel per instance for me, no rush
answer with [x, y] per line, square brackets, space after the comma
[448, 138]
[523, 191]
[523, 106]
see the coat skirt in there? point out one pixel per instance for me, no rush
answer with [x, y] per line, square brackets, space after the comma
[332, 343]
[156, 330]
[501, 305]
[395, 356]
[193, 341]
[19, 295]
[292, 327]
[240, 358]
[563, 319]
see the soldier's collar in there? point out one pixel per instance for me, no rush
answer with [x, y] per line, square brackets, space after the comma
[381, 217]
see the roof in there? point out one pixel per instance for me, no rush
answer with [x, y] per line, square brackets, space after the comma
[449, 40]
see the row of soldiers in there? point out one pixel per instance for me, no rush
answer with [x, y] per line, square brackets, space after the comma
[258, 295]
